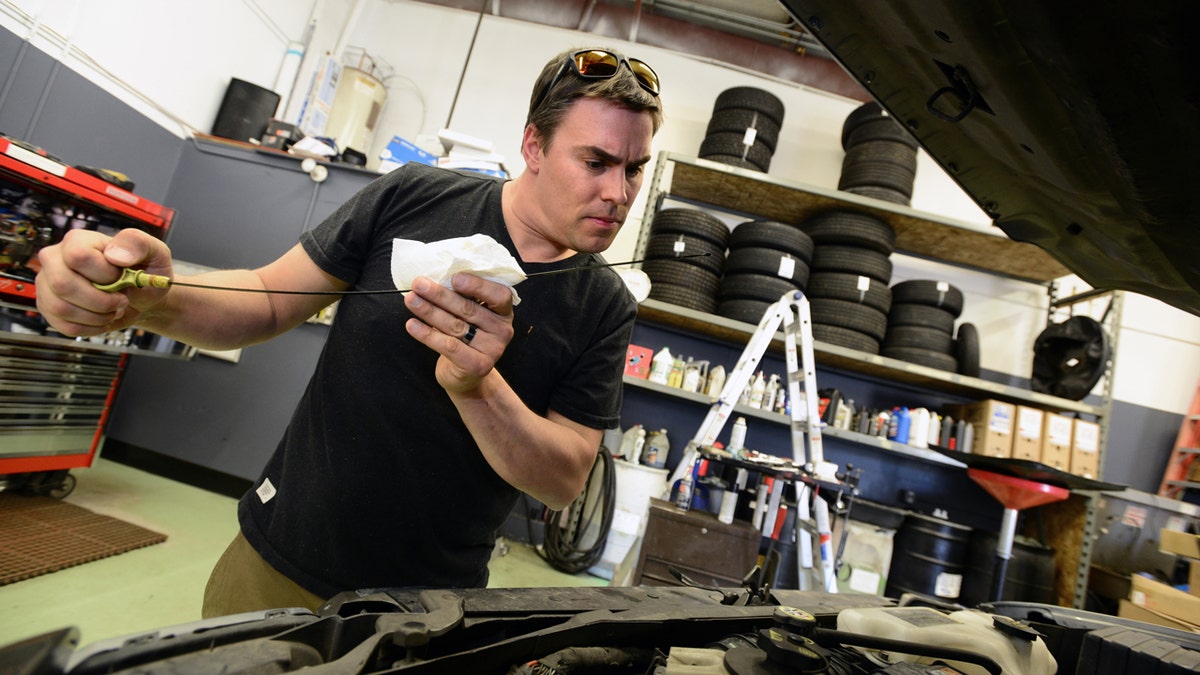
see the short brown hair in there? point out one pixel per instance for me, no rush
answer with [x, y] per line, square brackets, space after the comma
[546, 111]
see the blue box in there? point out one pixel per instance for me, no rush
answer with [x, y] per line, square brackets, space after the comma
[399, 152]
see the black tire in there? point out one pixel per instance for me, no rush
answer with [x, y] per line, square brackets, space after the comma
[880, 129]
[756, 260]
[845, 228]
[841, 286]
[845, 337]
[748, 311]
[890, 152]
[730, 160]
[726, 143]
[770, 234]
[966, 349]
[921, 357]
[878, 174]
[669, 246]
[684, 296]
[751, 98]
[693, 222]
[853, 260]
[881, 193]
[920, 337]
[679, 273]
[928, 292]
[906, 314]
[738, 120]
[849, 315]
[761, 287]
[864, 113]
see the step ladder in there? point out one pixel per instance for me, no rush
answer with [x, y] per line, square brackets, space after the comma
[792, 311]
[1178, 474]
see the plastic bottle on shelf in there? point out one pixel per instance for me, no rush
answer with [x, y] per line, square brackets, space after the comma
[716, 381]
[757, 388]
[654, 454]
[737, 436]
[630, 446]
[687, 483]
[772, 393]
[675, 375]
[918, 434]
[730, 500]
[898, 426]
[935, 429]
[660, 366]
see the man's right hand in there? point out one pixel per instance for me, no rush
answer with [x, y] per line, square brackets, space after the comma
[66, 296]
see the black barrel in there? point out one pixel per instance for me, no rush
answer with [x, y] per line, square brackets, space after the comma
[929, 556]
[1029, 578]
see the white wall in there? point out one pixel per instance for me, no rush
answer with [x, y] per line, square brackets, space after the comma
[180, 56]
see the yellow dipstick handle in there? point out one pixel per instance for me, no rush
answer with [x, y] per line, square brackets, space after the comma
[135, 279]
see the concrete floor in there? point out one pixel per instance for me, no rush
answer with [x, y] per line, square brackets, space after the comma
[162, 585]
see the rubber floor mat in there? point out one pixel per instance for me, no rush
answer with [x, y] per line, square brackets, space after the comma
[39, 535]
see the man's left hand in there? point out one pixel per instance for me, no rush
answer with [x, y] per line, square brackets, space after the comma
[469, 326]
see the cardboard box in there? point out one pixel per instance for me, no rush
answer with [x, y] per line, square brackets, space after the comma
[993, 423]
[1056, 441]
[1085, 449]
[1179, 543]
[1027, 438]
[1166, 600]
[637, 361]
[1128, 610]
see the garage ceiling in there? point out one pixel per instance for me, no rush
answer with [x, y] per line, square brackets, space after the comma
[758, 35]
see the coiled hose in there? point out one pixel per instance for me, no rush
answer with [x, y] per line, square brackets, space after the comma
[571, 544]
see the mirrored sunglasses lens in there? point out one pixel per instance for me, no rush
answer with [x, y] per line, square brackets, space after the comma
[645, 75]
[596, 64]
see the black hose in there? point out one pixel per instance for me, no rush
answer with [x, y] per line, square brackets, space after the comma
[563, 548]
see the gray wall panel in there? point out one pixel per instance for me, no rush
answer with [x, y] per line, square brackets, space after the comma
[239, 208]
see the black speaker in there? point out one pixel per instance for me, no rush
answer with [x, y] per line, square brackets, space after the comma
[245, 111]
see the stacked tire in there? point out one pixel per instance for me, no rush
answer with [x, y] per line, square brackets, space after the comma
[848, 287]
[744, 128]
[690, 282]
[766, 260]
[881, 156]
[921, 328]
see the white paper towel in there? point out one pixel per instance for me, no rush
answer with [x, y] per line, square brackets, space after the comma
[477, 254]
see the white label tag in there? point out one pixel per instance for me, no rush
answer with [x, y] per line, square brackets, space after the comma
[679, 247]
[947, 585]
[864, 283]
[1029, 424]
[864, 581]
[943, 286]
[1060, 430]
[266, 491]
[1087, 436]
[751, 134]
[787, 267]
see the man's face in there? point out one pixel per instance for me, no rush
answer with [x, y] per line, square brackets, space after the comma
[590, 174]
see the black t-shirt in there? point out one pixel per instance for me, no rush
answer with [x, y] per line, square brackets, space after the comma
[377, 482]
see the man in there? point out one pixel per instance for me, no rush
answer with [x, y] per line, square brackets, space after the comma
[425, 416]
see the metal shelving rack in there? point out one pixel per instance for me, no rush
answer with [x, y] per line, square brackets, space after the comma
[735, 190]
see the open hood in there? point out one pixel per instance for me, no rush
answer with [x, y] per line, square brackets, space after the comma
[1075, 126]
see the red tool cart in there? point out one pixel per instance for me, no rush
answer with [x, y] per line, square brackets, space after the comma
[56, 392]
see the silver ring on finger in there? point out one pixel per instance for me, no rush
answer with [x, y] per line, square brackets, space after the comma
[470, 334]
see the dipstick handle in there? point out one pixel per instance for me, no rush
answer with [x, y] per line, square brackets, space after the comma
[135, 279]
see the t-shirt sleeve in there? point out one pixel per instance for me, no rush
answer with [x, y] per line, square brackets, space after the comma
[591, 394]
[340, 244]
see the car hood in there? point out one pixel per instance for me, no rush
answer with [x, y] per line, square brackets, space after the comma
[1075, 126]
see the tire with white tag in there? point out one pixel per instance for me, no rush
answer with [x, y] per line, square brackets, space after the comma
[771, 234]
[672, 246]
[757, 260]
[852, 288]
[738, 120]
[692, 222]
[931, 292]
[751, 98]
[732, 143]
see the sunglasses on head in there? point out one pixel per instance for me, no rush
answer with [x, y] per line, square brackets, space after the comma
[601, 64]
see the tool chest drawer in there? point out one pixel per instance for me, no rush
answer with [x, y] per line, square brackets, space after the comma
[696, 543]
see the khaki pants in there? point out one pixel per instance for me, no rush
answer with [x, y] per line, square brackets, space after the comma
[242, 581]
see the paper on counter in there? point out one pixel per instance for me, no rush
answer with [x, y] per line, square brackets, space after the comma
[477, 254]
